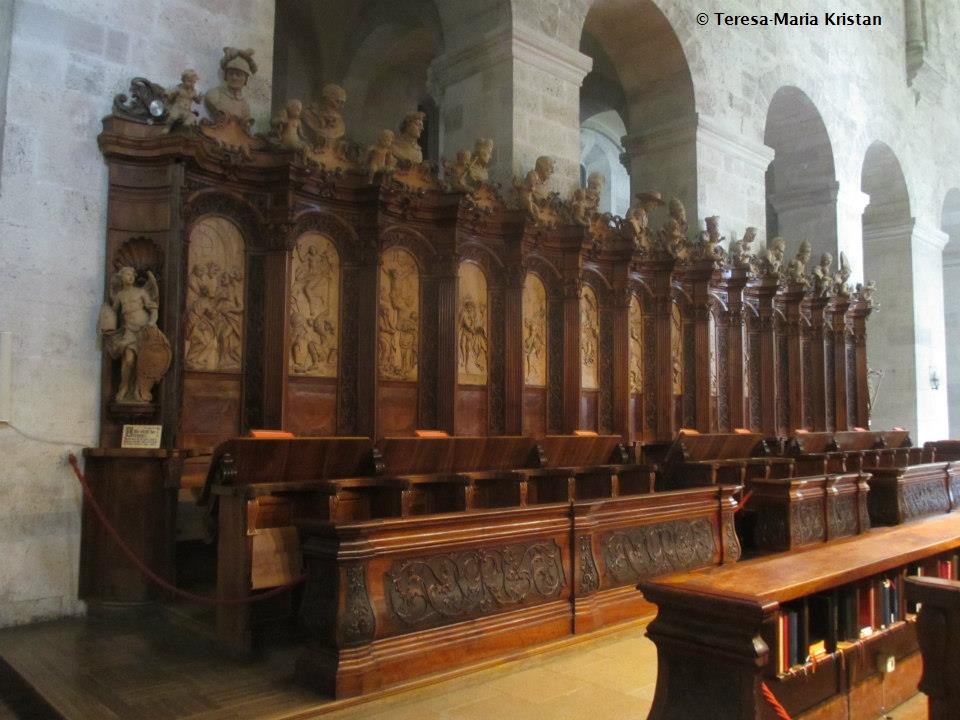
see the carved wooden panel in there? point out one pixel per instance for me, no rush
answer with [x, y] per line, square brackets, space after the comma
[633, 554]
[635, 324]
[473, 328]
[398, 327]
[589, 339]
[676, 349]
[315, 307]
[215, 296]
[534, 331]
[451, 587]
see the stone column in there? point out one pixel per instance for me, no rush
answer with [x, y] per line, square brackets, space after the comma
[521, 88]
[665, 158]
[809, 213]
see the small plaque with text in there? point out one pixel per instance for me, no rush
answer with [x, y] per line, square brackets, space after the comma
[141, 436]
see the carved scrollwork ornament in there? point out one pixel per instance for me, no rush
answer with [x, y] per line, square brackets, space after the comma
[146, 104]
[589, 577]
[358, 622]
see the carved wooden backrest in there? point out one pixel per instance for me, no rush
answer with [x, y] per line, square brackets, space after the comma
[896, 438]
[720, 446]
[811, 442]
[295, 459]
[411, 456]
[859, 440]
[580, 451]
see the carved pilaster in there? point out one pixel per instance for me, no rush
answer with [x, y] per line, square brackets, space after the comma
[815, 412]
[695, 278]
[732, 283]
[858, 398]
[836, 320]
[763, 354]
[658, 273]
[793, 382]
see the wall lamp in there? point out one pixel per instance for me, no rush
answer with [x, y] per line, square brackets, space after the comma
[934, 379]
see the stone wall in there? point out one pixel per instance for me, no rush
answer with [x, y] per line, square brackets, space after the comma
[67, 61]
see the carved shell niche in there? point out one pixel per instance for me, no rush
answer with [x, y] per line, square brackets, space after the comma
[534, 331]
[315, 307]
[635, 325]
[472, 325]
[589, 339]
[398, 324]
[141, 254]
[216, 288]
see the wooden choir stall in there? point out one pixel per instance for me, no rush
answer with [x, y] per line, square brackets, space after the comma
[484, 415]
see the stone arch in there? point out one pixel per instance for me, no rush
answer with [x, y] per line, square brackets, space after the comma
[887, 257]
[950, 224]
[801, 181]
[641, 76]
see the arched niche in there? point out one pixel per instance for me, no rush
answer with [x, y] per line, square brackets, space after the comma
[950, 224]
[888, 260]
[641, 78]
[801, 181]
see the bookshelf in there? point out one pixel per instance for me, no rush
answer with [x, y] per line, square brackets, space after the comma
[828, 629]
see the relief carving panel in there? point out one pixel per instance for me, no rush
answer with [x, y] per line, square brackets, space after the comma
[642, 552]
[589, 339]
[398, 325]
[215, 296]
[472, 325]
[315, 307]
[456, 586]
[534, 331]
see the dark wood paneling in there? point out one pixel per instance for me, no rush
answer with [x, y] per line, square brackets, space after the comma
[471, 410]
[534, 411]
[396, 408]
[589, 405]
[311, 407]
[211, 408]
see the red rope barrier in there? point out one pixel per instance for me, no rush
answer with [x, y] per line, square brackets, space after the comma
[147, 572]
[743, 501]
[773, 702]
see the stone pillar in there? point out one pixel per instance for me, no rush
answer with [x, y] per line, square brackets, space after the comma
[732, 284]
[6, 32]
[763, 347]
[851, 203]
[809, 213]
[695, 278]
[927, 246]
[521, 88]
[665, 158]
[793, 382]
[726, 159]
[837, 362]
[814, 365]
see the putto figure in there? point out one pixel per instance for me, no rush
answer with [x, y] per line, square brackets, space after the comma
[797, 268]
[128, 329]
[287, 126]
[637, 221]
[379, 156]
[227, 99]
[533, 190]
[324, 118]
[181, 101]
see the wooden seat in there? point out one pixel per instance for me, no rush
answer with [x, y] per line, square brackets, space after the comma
[719, 459]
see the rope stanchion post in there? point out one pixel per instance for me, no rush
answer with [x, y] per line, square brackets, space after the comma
[148, 572]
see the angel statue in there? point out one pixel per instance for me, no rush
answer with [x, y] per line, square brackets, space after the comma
[129, 332]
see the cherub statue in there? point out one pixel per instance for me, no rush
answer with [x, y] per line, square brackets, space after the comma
[287, 126]
[771, 258]
[710, 247]
[227, 99]
[406, 145]
[533, 190]
[673, 236]
[477, 171]
[739, 254]
[864, 293]
[797, 268]
[455, 173]
[181, 100]
[324, 118]
[823, 277]
[637, 221]
[841, 277]
[581, 207]
[128, 329]
[379, 157]
[595, 183]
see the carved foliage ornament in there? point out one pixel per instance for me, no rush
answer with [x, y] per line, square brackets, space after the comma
[589, 339]
[358, 623]
[398, 327]
[215, 296]
[635, 324]
[315, 307]
[642, 552]
[589, 577]
[456, 586]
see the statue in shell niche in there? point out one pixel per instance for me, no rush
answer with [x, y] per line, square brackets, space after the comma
[315, 307]
[129, 333]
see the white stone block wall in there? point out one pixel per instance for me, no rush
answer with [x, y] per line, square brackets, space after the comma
[67, 61]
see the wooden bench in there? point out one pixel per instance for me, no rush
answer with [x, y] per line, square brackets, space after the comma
[721, 458]
[815, 453]
[902, 494]
[787, 513]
